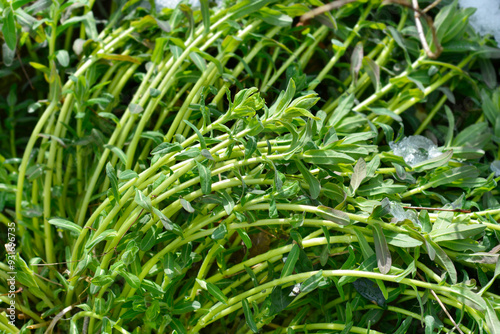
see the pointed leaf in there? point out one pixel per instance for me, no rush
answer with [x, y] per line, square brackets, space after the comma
[143, 201]
[314, 185]
[205, 179]
[358, 175]
[249, 316]
[333, 215]
[290, 262]
[65, 225]
[384, 260]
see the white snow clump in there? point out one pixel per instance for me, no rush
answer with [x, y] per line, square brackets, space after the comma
[495, 167]
[486, 19]
[415, 149]
[160, 4]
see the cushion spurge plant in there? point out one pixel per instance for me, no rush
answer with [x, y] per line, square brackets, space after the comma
[228, 169]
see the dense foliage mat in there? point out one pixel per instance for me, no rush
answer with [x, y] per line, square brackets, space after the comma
[236, 169]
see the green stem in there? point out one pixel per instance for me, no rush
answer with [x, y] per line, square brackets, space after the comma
[84, 314]
[431, 115]
[342, 50]
[333, 327]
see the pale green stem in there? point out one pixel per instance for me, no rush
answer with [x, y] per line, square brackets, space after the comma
[342, 50]
[333, 327]
[320, 32]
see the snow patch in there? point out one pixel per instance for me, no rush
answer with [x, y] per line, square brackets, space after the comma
[486, 19]
[415, 149]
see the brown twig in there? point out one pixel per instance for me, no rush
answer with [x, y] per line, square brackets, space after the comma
[24, 70]
[432, 5]
[422, 13]
[435, 209]
[266, 232]
[136, 219]
[46, 279]
[418, 14]
[40, 325]
[17, 291]
[421, 35]
[323, 9]
[52, 264]
[442, 306]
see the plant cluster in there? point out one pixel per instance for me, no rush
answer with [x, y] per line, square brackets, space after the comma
[230, 169]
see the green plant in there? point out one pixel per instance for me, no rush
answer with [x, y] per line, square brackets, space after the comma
[167, 193]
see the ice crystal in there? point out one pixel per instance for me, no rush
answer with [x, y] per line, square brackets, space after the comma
[415, 149]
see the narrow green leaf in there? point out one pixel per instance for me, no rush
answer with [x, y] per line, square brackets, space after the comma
[456, 232]
[409, 270]
[186, 307]
[249, 316]
[203, 143]
[171, 268]
[333, 215]
[373, 71]
[250, 147]
[387, 112]
[62, 57]
[244, 236]
[326, 157]
[135, 108]
[177, 325]
[365, 246]
[451, 126]
[9, 29]
[227, 202]
[65, 225]
[492, 318]
[105, 235]
[252, 275]
[186, 205]
[165, 148]
[111, 117]
[358, 175]
[384, 259]
[143, 201]
[466, 296]
[210, 58]
[213, 290]
[167, 223]
[205, 179]
[274, 17]
[131, 279]
[206, 153]
[401, 240]
[369, 290]
[342, 110]
[127, 175]
[205, 15]
[119, 153]
[314, 185]
[280, 298]
[247, 7]
[434, 163]
[198, 61]
[452, 175]
[292, 258]
[220, 232]
[102, 280]
[149, 239]
[312, 282]
[110, 172]
[442, 258]
[356, 61]
[382, 288]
